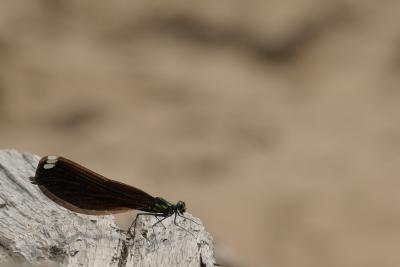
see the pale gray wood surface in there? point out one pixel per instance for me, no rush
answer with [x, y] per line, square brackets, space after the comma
[34, 230]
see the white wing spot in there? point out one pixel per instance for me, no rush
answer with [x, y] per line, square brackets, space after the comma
[51, 159]
[48, 166]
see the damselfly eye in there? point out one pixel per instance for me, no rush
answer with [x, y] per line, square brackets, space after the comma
[181, 206]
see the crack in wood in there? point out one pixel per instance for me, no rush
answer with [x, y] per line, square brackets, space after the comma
[123, 258]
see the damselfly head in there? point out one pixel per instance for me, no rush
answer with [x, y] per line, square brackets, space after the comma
[181, 207]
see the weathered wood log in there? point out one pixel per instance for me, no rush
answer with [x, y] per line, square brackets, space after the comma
[34, 230]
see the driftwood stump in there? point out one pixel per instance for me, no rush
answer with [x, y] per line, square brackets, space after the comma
[35, 230]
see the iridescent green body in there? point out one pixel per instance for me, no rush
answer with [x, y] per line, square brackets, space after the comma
[162, 206]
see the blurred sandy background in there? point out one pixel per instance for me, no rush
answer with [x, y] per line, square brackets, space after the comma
[276, 121]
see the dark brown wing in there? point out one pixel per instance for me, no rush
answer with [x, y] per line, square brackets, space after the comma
[82, 190]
